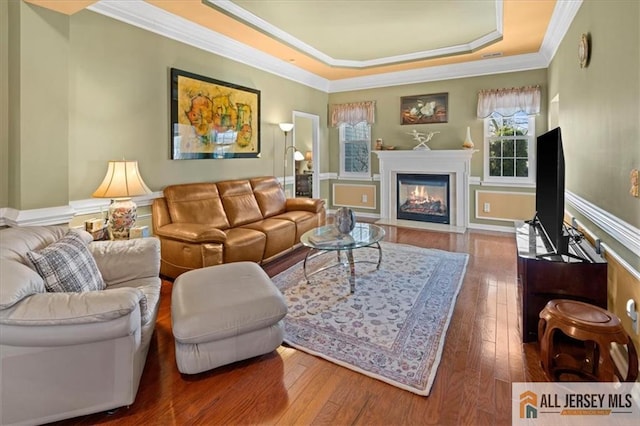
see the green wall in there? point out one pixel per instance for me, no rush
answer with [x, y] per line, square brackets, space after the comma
[463, 101]
[85, 89]
[38, 56]
[4, 103]
[599, 111]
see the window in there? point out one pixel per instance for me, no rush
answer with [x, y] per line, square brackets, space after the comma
[355, 151]
[509, 155]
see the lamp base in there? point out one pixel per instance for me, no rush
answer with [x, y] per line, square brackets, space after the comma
[122, 217]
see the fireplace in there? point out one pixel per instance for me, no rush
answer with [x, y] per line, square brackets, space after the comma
[423, 197]
[454, 164]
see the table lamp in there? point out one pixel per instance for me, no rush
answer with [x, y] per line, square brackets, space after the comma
[309, 157]
[121, 182]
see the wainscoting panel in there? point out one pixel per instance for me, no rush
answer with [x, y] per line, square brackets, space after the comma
[507, 206]
[623, 284]
[353, 195]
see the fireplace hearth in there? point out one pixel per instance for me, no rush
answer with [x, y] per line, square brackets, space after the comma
[423, 197]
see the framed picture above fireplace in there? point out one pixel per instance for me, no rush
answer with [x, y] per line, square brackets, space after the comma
[424, 109]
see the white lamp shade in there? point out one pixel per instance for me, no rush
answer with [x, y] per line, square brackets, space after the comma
[286, 127]
[122, 180]
[298, 156]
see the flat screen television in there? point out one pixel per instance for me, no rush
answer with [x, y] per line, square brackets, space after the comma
[550, 188]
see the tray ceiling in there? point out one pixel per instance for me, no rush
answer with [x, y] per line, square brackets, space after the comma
[337, 40]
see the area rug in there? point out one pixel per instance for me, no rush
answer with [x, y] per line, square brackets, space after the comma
[392, 328]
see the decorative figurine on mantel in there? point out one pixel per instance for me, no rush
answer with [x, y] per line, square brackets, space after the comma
[468, 143]
[422, 139]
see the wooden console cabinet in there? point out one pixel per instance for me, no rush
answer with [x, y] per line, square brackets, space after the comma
[581, 275]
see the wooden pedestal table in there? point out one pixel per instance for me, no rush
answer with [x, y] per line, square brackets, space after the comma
[596, 328]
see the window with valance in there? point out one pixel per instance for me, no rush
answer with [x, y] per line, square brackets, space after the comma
[354, 121]
[352, 113]
[508, 102]
[509, 133]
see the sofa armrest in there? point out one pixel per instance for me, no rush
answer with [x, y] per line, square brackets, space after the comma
[313, 205]
[56, 319]
[192, 232]
[126, 260]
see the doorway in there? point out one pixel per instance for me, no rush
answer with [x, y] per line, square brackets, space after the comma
[306, 139]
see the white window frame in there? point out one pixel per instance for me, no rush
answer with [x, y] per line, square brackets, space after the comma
[512, 180]
[365, 143]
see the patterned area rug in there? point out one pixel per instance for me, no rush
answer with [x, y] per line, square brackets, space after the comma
[392, 328]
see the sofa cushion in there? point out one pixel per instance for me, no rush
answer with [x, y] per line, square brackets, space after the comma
[125, 261]
[239, 202]
[269, 195]
[280, 234]
[17, 281]
[244, 244]
[196, 203]
[67, 265]
[304, 221]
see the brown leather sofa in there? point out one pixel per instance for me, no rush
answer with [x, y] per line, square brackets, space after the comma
[209, 223]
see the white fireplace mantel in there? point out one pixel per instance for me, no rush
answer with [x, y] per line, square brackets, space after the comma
[454, 162]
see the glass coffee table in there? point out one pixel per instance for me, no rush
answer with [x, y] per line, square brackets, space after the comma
[327, 239]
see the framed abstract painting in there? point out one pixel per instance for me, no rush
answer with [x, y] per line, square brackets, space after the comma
[212, 118]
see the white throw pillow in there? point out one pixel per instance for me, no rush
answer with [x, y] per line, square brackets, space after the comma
[67, 266]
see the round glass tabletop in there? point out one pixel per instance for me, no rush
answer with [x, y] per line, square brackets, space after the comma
[329, 238]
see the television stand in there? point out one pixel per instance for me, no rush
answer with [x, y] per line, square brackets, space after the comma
[543, 275]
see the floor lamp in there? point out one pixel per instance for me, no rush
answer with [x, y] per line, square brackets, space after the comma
[297, 155]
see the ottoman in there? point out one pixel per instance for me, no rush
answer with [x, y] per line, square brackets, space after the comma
[224, 313]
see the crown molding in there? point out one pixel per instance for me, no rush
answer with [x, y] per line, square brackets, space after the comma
[563, 15]
[151, 18]
[266, 27]
[443, 72]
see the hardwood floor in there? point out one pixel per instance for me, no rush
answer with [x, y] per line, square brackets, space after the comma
[482, 355]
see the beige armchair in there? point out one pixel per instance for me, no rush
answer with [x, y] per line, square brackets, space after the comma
[66, 354]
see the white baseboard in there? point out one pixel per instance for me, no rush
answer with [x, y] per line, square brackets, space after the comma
[496, 228]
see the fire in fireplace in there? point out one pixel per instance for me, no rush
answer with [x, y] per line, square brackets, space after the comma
[423, 197]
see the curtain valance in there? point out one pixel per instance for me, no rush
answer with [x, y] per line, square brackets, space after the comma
[507, 102]
[352, 113]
